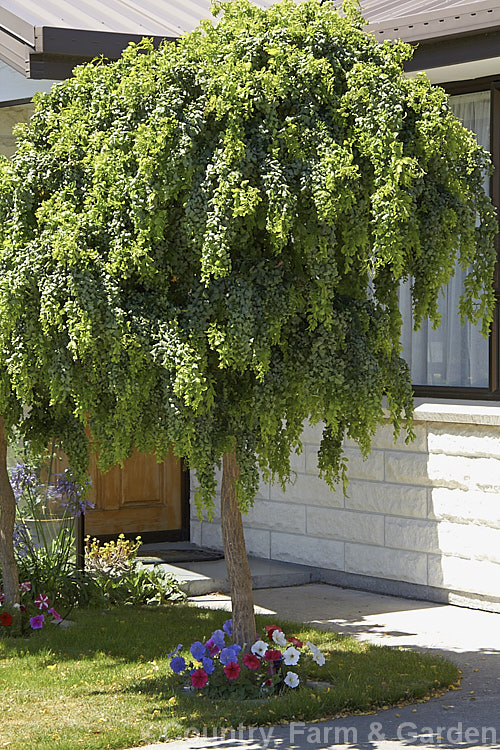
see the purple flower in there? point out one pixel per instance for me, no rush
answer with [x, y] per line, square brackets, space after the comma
[72, 494]
[218, 638]
[208, 665]
[22, 478]
[37, 621]
[211, 647]
[177, 664]
[198, 650]
[228, 627]
[229, 654]
[172, 653]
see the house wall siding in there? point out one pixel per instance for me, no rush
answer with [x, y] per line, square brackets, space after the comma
[426, 513]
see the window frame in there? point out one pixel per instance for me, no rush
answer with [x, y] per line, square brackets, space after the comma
[492, 392]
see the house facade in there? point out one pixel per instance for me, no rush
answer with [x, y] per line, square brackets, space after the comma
[418, 520]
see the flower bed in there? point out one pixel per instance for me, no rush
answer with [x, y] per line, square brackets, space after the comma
[221, 669]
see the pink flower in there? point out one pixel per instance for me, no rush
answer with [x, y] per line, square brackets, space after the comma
[42, 601]
[57, 617]
[25, 586]
[251, 661]
[295, 642]
[37, 621]
[232, 670]
[2, 597]
[199, 678]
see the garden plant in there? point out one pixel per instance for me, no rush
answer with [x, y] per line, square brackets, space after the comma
[201, 246]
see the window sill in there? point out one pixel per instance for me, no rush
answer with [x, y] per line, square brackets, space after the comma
[460, 412]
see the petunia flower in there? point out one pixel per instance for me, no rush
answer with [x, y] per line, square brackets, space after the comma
[270, 630]
[291, 656]
[272, 655]
[228, 628]
[25, 586]
[259, 648]
[198, 650]
[212, 648]
[251, 661]
[232, 670]
[42, 601]
[6, 619]
[36, 622]
[279, 637]
[291, 679]
[318, 657]
[208, 665]
[2, 597]
[57, 617]
[176, 649]
[199, 678]
[218, 638]
[295, 642]
[177, 664]
[229, 654]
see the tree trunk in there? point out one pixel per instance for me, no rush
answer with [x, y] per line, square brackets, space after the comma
[238, 569]
[7, 519]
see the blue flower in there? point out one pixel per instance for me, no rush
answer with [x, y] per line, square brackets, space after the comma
[208, 665]
[172, 653]
[177, 664]
[229, 654]
[218, 638]
[228, 627]
[198, 650]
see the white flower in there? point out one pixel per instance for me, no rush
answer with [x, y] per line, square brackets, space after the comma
[16, 606]
[291, 679]
[279, 637]
[318, 658]
[311, 646]
[259, 648]
[291, 656]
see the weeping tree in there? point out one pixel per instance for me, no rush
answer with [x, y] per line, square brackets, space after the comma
[201, 246]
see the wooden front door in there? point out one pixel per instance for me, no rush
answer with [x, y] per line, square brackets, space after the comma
[143, 496]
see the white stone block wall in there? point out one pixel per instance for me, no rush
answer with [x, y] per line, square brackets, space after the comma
[426, 513]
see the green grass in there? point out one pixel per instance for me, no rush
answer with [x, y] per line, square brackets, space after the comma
[105, 682]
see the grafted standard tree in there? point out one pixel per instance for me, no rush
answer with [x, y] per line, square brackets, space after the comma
[201, 246]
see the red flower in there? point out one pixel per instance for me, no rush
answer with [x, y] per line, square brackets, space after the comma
[199, 678]
[232, 670]
[251, 661]
[273, 655]
[270, 630]
[295, 642]
[6, 619]
[268, 682]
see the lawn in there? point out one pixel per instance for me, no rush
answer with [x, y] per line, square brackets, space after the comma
[105, 682]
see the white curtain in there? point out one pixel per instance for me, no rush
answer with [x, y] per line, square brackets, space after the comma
[453, 354]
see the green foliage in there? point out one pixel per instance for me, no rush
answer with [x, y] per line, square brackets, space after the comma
[201, 245]
[116, 578]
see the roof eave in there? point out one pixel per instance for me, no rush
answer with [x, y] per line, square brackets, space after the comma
[52, 55]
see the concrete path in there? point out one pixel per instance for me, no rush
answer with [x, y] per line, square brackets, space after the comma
[465, 718]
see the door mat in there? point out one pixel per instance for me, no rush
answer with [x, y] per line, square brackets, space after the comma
[152, 556]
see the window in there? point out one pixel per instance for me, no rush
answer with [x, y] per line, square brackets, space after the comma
[452, 357]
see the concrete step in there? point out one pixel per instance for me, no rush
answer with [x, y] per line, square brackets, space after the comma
[200, 578]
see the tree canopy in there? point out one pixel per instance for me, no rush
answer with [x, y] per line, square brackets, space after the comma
[201, 245]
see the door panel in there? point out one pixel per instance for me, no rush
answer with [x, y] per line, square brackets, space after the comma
[142, 496]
